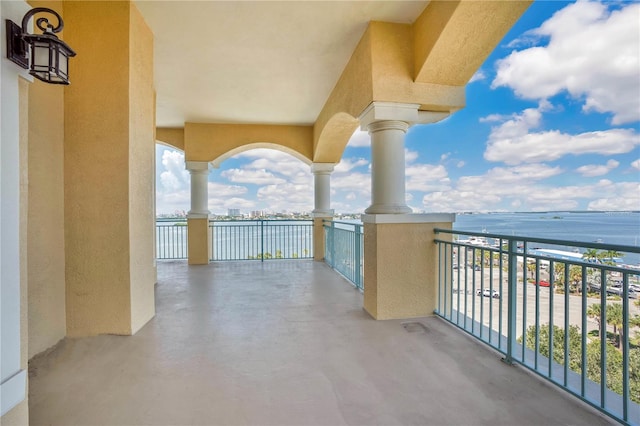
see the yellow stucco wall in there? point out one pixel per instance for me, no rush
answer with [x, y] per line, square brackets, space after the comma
[392, 72]
[199, 241]
[318, 238]
[391, 289]
[171, 136]
[45, 232]
[102, 147]
[141, 171]
[47, 317]
[440, 45]
[208, 142]
[352, 93]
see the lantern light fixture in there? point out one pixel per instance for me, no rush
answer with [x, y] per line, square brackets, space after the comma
[44, 55]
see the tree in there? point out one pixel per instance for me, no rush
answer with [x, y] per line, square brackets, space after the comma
[531, 267]
[613, 368]
[594, 311]
[575, 344]
[613, 375]
[614, 318]
[591, 255]
[609, 256]
[575, 277]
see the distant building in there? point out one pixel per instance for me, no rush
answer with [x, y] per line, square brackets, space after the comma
[233, 213]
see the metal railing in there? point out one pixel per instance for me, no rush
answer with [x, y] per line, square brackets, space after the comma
[171, 239]
[541, 305]
[344, 250]
[261, 239]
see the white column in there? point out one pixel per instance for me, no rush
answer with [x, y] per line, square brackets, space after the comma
[322, 189]
[199, 171]
[387, 167]
[387, 123]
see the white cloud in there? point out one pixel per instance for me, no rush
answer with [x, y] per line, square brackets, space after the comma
[357, 182]
[616, 196]
[174, 177]
[286, 197]
[636, 164]
[359, 139]
[172, 187]
[410, 156]
[521, 187]
[345, 165]
[426, 177]
[256, 177]
[591, 170]
[478, 76]
[512, 141]
[460, 164]
[592, 54]
[215, 189]
[507, 181]
[458, 201]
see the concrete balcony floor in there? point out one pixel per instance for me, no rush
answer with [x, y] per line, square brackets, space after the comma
[284, 343]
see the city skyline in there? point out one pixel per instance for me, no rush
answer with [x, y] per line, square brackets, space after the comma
[552, 123]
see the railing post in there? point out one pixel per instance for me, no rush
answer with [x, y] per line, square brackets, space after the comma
[512, 281]
[331, 242]
[261, 240]
[357, 260]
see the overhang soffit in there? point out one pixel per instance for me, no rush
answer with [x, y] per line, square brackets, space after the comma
[453, 38]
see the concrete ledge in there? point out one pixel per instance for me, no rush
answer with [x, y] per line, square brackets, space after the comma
[409, 218]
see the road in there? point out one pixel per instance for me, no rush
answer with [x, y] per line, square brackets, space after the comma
[488, 310]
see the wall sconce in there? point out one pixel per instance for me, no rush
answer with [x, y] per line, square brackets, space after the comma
[49, 55]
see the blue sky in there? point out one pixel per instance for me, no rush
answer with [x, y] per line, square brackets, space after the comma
[552, 122]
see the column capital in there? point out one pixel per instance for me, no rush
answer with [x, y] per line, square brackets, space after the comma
[322, 168]
[198, 166]
[396, 111]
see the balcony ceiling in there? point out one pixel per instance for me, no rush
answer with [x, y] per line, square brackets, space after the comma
[271, 62]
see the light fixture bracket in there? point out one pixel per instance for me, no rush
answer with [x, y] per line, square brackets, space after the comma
[16, 49]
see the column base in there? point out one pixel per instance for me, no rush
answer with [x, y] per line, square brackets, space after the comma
[388, 209]
[318, 237]
[401, 265]
[199, 240]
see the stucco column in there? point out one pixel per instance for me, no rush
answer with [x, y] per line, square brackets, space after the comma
[109, 147]
[322, 211]
[199, 240]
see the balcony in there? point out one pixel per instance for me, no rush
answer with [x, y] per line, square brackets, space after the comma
[285, 342]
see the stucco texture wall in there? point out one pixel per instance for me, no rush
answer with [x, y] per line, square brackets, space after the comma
[391, 289]
[45, 231]
[141, 171]
[108, 163]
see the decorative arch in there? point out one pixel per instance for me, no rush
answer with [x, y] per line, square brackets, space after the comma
[334, 137]
[171, 137]
[216, 162]
[168, 145]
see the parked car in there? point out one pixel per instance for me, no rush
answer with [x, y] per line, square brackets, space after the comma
[487, 292]
[542, 283]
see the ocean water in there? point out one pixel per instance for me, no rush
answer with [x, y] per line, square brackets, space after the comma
[620, 228]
